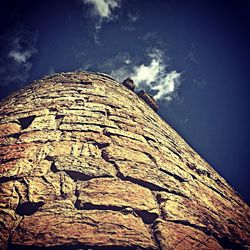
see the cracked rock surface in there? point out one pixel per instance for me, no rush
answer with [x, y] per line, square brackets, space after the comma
[86, 164]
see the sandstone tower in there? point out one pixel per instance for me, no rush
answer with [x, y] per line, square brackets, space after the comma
[87, 164]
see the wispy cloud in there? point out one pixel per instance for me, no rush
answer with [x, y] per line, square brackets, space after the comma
[22, 56]
[103, 8]
[167, 86]
[101, 11]
[18, 48]
[129, 21]
[152, 39]
[133, 17]
[156, 78]
[200, 83]
[153, 76]
[184, 121]
[191, 56]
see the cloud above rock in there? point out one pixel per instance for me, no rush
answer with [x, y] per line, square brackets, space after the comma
[153, 76]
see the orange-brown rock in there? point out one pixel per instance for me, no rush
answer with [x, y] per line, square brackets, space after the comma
[82, 228]
[111, 193]
[86, 164]
[180, 236]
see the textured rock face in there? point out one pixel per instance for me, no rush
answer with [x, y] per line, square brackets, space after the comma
[87, 164]
[129, 83]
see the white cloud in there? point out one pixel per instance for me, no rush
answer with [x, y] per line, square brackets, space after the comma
[149, 73]
[103, 8]
[167, 85]
[143, 73]
[127, 61]
[153, 76]
[21, 56]
[101, 11]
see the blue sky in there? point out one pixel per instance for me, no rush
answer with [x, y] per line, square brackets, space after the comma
[193, 56]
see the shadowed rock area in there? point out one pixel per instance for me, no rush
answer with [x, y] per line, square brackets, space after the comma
[87, 164]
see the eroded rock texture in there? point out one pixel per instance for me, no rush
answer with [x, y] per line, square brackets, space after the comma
[87, 164]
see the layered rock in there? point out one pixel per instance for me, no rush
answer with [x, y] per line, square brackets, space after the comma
[86, 164]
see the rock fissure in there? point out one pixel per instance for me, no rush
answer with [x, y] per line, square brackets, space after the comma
[105, 158]
[28, 208]
[26, 121]
[151, 186]
[127, 178]
[8, 244]
[177, 177]
[8, 179]
[147, 216]
[15, 135]
[78, 176]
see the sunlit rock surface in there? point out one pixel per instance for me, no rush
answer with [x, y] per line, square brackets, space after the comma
[87, 164]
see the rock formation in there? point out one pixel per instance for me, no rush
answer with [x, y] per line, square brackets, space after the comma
[87, 164]
[149, 100]
[129, 83]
